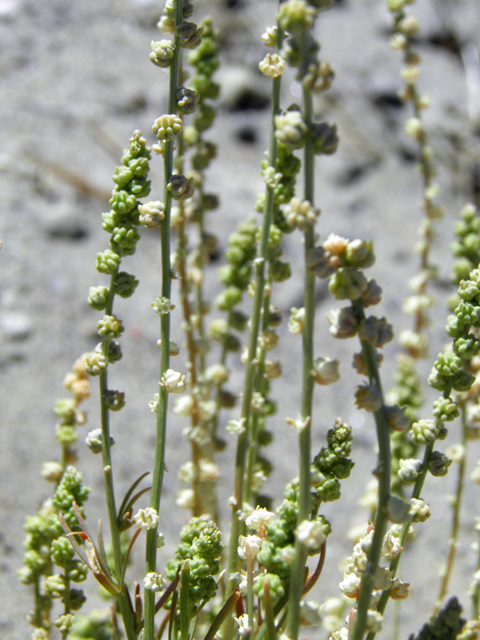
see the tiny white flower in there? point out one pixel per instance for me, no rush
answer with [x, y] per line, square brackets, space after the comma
[400, 590]
[184, 405]
[155, 582]
[374, 621]
[269, 38]
[312, 534]
[456, 452]
[272, 65]
[174, 381]
[255, 544]
[243, 627]
[186, 499]
[299, 424]
[350, 585]
[236, 426]
[410, 73]
[258, 519]
[146, 518]
[391, 546]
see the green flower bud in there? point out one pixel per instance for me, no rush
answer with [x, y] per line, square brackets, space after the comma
[65, 410]
[295, 15]
[280, 271]
[204, 154]
[376, 331]
[290, 129]
[180, 187]
[97, 297]
[162, 53]
[151, 214]
[277, 590]
[35, 561]
[343, 323]
[65, 622]
[206, 87]
[55, 585]
[448, 364]
[77, 599]
[462, 381]
[204, 117]
[226, 300]
[347, 284]
[238, 320]
[325, 371]
[424, 431]
[190, 35]
[319, 76]
[368, 397]
[110, 327]
[62, 552]
[437, 380]
[325, 138]
[124, 239]
[167, 126]
[445, 410]
[162, 306]
[470, 289]
[329, 488]
[397, 419]
[123, 202]
[66, 435]
[187, 100]
[409, 470]
[114, 351]
[467, 347]
[359, 254]
[125, 284]
[438, 464]
[468, 313]
[455, 327]
[114, 400]
[94, 441]
[107, 262]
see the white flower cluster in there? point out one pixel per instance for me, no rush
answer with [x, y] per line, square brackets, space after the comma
[146, 518]
[382, 579]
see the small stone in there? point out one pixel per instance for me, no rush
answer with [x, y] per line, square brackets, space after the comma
[15, 325]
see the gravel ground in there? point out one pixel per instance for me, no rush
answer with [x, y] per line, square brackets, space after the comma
[75, 81]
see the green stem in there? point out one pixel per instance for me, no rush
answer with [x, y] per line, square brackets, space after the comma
[250, 490]
[243, 440]
[304, 498]
[123, 600]
[383, 474]
[161, 422]
[452, 543]
[417, 490]
[185, 601]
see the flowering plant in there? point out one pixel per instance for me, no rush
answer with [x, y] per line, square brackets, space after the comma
[256, 585]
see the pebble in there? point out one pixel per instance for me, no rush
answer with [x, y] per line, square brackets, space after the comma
[15, 325]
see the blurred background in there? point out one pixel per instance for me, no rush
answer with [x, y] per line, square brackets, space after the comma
[75, 81]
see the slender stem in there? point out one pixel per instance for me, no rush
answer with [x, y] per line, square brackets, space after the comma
[161, 422]
[250, 490]
[417, 490]
[304, 498]
[476, 589]
[455, 516]
[243, 440]
[108, 479]
[383, 474]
